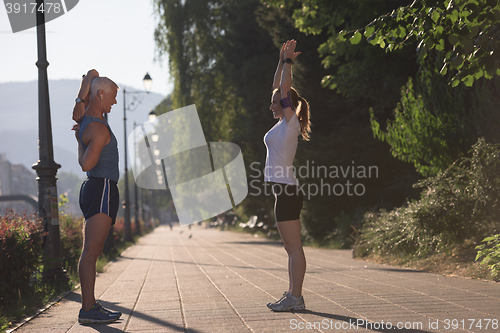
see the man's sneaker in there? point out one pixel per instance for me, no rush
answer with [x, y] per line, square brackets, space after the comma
[108, 311]
[97, 314]
[287, 303]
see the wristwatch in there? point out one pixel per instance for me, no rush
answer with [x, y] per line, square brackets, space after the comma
[288, 61]
[78, 100]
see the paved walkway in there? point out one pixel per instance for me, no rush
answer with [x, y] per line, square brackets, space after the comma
[205, 280]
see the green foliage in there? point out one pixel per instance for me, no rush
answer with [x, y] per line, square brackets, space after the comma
[357, 71]
[344, 235]
[225, 66]
[63, 201]
[490, 254]
[21, 288]
[20, 248]
[341, 129]
[416, 135]
[467, 32]
[461, 203]
[219, 59]
[71, 230]
[435, 124]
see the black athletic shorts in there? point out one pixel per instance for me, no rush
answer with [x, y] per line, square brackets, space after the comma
[99, 195]
[289, 200]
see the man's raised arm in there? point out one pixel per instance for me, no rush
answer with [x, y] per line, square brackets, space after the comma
[83, 97]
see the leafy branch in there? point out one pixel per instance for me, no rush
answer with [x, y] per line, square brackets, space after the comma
[467, 32]
[489, 251]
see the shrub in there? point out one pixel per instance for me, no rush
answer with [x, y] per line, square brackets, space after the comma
[464, 202]
[490, 252]
[119, 229]
[460, 203]
[71, 229]
[20, 249]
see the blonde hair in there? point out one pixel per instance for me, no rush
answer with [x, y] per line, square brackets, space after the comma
[302, 110]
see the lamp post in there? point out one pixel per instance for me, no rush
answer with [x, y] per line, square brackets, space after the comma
[46, 168]
[152, 116]
[147, 86]
[136, 192]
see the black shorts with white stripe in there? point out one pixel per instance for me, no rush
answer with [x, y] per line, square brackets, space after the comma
[99, 195]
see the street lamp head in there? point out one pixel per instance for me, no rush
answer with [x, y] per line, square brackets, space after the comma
[152, 116]
[148, 82]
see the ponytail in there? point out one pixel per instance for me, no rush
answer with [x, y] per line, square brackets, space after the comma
[302, 111]
[302, 107]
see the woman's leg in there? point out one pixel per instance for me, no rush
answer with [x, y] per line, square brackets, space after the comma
[290, 234]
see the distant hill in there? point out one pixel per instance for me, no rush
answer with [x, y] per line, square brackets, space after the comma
[19, 121]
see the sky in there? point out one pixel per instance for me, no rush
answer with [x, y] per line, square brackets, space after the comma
[116, 37]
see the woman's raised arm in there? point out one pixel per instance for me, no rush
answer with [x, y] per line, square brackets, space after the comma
[279, 69]
[286, 78]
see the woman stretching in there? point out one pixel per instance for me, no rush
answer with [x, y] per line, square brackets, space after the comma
[281, 142]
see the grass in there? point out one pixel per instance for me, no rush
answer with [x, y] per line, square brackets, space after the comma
[457, 261]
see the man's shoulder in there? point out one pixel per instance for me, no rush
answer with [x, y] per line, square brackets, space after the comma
[97, 124]
[97, 129]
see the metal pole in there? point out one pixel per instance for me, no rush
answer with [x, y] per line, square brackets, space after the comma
[128, 227]
[46, 168]
[144, 204]
[109, 243]
[136, 194]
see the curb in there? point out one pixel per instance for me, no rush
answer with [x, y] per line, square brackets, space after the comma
[41, 310]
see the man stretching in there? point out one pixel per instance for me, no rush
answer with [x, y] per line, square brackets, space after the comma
[98, 156]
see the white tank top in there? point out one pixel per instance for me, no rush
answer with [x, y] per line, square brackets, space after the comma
[281, 143]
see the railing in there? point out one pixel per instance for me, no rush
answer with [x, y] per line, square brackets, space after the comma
[31, 199]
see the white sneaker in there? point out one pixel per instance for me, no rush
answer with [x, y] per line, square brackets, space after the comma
[287, 303]
[282, 297]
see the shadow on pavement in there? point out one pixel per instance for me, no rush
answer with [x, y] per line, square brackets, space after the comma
[403, 270]
[187, 262]
[276, 243]
[108, 328]
[104, 328]
[352, 323]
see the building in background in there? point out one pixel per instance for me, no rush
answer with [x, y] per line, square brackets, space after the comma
[16, 179]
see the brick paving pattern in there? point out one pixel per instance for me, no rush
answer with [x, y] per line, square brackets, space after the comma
[207, 280]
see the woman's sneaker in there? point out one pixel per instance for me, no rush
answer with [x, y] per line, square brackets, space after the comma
[97, 314]
[287, 303]
[284, 295]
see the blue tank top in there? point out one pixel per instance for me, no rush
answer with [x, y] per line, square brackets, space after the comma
[107, 165]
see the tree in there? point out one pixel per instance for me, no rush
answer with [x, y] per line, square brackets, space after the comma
[362, 74]
[219, 61]
[341, 135]
[433, 124]
[467, 32]
[457, 41]
[222, 56]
